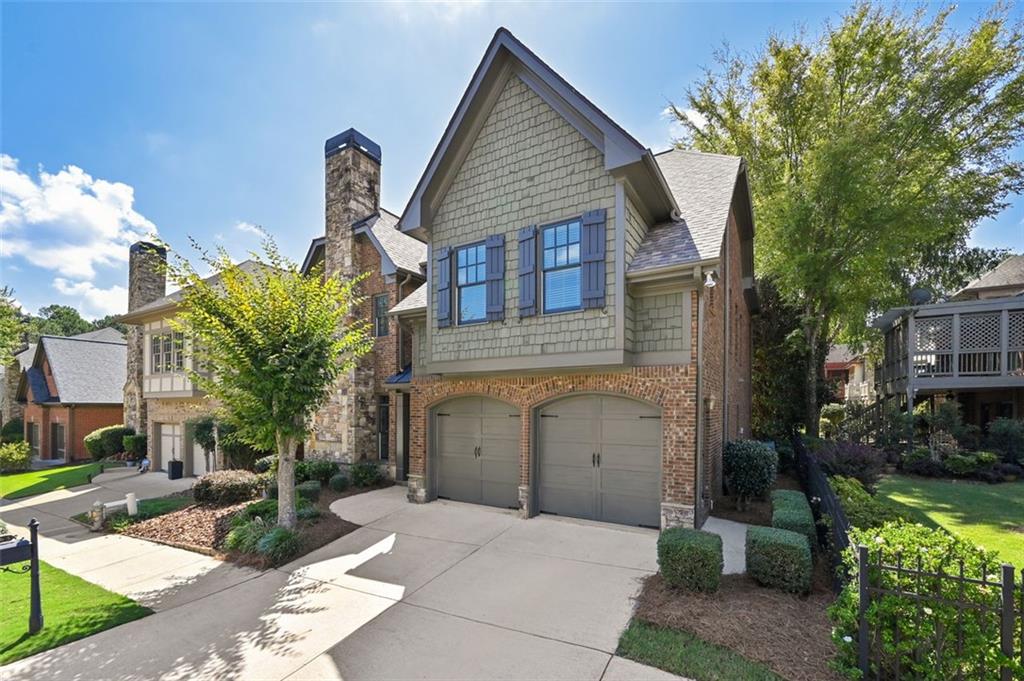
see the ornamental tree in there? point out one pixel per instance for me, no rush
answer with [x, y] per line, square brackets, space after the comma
[873, 149]
[268, 344]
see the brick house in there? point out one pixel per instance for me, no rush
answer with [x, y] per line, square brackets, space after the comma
[71, 388]
[581, 345]
[10, 407]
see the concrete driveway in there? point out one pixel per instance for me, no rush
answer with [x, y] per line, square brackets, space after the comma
[439, 591]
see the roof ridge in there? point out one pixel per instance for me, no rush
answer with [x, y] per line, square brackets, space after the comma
[698, 152]
[84, 340]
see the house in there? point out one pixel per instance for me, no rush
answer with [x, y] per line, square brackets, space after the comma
[970, 348]
[837, 368]
[71, 388]
[581, 344]
[852, 373]
[10, 407]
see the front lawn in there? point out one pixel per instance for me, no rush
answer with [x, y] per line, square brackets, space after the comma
[991, 516]
[72, 609]
[18, 485]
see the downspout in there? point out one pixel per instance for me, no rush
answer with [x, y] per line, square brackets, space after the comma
[698, 494]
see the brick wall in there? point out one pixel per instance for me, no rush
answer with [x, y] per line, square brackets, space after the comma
[711, 389]
[78, 422]
[528, 166]
[739, 350]
[670, 387]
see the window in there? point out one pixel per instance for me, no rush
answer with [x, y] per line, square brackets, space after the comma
[561, 261]
[380, 315]
[33, 439]
[471, 279]
[383, 426]
[167, 352]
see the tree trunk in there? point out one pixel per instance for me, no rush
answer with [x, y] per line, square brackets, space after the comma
[218, 453]
[285, 483]
[811, 372]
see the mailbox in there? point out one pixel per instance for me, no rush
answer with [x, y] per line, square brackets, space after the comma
[19, 551]
[15, 551]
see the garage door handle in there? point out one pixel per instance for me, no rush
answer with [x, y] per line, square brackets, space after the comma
[593, 459]
[599, 459]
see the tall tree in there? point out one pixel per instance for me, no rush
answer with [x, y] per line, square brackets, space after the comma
[58, 320]
[109, 321]
[885, 138]
[272, 343]
[12, 326]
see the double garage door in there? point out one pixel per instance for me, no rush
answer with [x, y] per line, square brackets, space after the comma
[173, 446]
[598, 457]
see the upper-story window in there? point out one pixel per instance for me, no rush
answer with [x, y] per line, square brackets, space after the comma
[380, 315]
[561, 261]
[167, 352]
[471, 279]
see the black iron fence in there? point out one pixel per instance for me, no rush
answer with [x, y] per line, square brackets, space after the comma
[833, 527]
[917, 623]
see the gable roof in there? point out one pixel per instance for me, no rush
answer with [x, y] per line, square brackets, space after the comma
[107, 333]
[506, 55]
[84, 371]
[1007, 274]
[24, 357]
[417, 300]
[398, 251]
[170, 301]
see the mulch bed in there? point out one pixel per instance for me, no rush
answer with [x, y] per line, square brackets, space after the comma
[789, 634]
[759, 511]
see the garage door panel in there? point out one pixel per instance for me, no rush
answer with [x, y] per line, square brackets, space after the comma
[629, 483]
[500, 494]
[632, 431]
[621, 407]
[630, 510]
[582, 405]
[478, 452]
[631, 458]
[500, 427]
[569, 429]
[578, 503]
[459, 488]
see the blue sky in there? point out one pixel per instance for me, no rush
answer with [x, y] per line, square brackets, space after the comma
[203, 120]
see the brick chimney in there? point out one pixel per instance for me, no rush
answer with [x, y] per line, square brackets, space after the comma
[344, 427]
[146, 282]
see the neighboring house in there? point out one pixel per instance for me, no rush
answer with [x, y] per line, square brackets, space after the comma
[837, 369]
[362, 420]
[970, 348]
[10, 407]
[852, 373]
[72, 387]
[582, 346]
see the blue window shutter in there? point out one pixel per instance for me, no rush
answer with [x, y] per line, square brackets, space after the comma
[528, 271]
[444, 287]
[495, 277]
[592, 251]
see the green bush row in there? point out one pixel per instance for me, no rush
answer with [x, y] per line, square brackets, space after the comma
[222, 488]
[779, 558]
[106, 441]
[862, 509]
[690, 559]
[791, 511]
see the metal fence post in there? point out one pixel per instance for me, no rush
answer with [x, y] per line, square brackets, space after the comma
[862, 611]
[1006, 621]
[35, 617]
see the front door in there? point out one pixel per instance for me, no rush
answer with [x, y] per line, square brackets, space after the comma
[57, 445]
[477, 453]
[170, 444]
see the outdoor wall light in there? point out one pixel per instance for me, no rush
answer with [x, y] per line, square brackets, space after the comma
[710, 279]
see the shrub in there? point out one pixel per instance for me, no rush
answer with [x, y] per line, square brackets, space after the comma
[306, 510]
[278, 545]
[365, 474]
[961, 464]
[1010, 470]
[106, 441]
[920, 462]
[862, 508]
[320, 470]
[928, 631]
[1006, 436]
[779, 558]
[15, 456]
[787, 457]
[338, 482]
[986, 459]
[264, 508]
[245, 537]
[690, 559]
[271, 489]
[750, 468]
[134, 445]
[12, 431]
[791, 511]
[265, 464]
[221, 488]
[308, 490]
[852, 460]
[831, 418]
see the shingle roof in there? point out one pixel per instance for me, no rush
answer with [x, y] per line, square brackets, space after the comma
[248, 266]
[840, 354]
[37, 384]
[405, 252]
[417, 300]
[24, 358]
[87, 371]
[1009, 272]
[108, 334]
[703, 186]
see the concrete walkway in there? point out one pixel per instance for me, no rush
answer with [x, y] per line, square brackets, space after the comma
[439, 591]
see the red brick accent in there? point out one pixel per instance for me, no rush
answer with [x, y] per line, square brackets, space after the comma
[78, 422]
[673, 388]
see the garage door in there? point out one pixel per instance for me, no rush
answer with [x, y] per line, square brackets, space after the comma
[199, 466]
[600, 458]
[170, 444]
[478, 451]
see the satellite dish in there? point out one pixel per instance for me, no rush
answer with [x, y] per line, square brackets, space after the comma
[920, 296]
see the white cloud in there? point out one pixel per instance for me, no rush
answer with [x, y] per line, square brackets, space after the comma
[67, 222]
[675, 127]
[444, 11]
[94, 301]
[243, 226]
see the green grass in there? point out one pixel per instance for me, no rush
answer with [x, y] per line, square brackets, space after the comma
[684, 654]
[72, 609]
[991, 516]
[148, 508]
[18, 485]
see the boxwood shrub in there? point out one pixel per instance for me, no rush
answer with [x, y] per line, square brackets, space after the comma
[790, 511]
[221, 488]
[779, 558]
[365, 474]
[135, 445]
[690, 559]
[320, 470]
[309, 489]
[750, 468]
[338, 482]
[106, 441]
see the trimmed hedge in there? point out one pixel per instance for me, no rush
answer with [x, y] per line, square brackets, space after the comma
[308, 490]
[779, 558]
[750, 468]
[690, 559]
[862, 509]
[365, 474]
[106, 441]
[320, 470]
[790, 511]
[134, 445]
[338, 482]
[221, 488]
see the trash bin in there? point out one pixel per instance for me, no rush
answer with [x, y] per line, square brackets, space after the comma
[175, 469]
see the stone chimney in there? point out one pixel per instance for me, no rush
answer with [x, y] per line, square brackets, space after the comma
[146, 282]
[344, 427]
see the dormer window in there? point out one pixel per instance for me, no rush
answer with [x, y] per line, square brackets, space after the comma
[471, 280]
[561, 261]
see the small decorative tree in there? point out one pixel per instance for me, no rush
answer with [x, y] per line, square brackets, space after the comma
[267, 344]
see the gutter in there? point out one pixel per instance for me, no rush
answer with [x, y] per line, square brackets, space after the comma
[667, 271]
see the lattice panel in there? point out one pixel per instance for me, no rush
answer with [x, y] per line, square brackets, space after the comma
[1016, 339]
[979, 331]
[934, 334]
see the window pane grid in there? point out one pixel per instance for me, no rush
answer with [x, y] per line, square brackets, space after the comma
[471, 277]
[561, 265]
